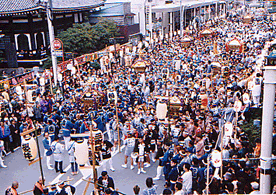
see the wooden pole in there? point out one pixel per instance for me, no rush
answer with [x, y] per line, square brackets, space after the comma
[51, 87]
[208, 174]
[221, 147]
[93, 155]
[117, 118]
[86, 186]
[39, 156]
[25, 91]
[118, 129]
[27, 191]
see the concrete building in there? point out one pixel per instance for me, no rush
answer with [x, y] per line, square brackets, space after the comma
[166, 16]
[120, 12]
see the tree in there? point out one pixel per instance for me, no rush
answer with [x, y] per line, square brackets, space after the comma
[85, 38]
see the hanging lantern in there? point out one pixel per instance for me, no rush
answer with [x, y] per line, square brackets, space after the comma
[6, 86]
[29, 148]
[216, 159]
[30, 95]
[19, 90]
[73, 71]
[81, 152]
[42, 81]
[161, 110]
[204, 100]
[228, 127]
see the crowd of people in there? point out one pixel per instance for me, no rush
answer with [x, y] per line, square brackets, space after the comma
[126, 101]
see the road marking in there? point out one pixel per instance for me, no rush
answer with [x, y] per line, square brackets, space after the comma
[60, 175]
[102, 163]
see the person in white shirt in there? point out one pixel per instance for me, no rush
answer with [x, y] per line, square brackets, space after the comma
[72, 158]
[130, 144]
[256, 91]
[58, 149]
[187, 179]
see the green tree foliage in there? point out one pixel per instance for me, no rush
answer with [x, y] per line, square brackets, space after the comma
[85, 38]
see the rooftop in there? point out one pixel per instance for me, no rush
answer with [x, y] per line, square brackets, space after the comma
[16, 6]
[111, 9]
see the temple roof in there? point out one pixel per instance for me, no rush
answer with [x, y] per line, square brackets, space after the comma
[74, 5]
[16, 5]
[11, 7]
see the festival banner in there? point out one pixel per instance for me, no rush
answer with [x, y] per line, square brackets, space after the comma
[19, 79]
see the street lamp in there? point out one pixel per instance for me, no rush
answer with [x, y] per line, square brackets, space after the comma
[267, 122]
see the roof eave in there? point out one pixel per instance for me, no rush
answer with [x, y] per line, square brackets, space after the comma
[73, 9]
[21, 12]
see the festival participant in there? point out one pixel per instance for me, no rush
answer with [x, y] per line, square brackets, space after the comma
[15, 134]
[106, 151]
[105, 182]
[178, 189]
[38, 187]
[72, 159]
[47, 150]
[5, 135]
[130, 144]
[1, 150]
[65, 189]
[58, 150]
[172, 175]
[140, 149]
[12, 190]
[151, 188]
[136, 190]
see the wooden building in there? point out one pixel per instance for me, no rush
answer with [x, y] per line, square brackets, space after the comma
[24, 38]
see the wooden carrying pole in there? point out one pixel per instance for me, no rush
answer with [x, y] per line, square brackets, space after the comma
[118, 128]
[27, 191]
[117, 118]
[92, 142]
[208, 174]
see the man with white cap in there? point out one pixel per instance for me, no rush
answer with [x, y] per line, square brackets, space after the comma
[255, 188]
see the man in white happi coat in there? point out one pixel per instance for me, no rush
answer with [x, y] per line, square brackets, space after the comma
[58, 149]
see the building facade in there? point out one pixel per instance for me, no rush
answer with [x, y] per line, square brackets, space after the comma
[24, 28]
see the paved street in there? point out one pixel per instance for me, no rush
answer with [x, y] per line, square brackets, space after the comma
[18, 169]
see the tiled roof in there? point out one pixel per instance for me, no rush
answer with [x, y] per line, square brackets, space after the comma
[11, 6]
[75, 4]
[16, 5]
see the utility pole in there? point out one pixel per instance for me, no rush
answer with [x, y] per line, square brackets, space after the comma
[181, 19]
[52, 38]
[150, 18]
[267, 128]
